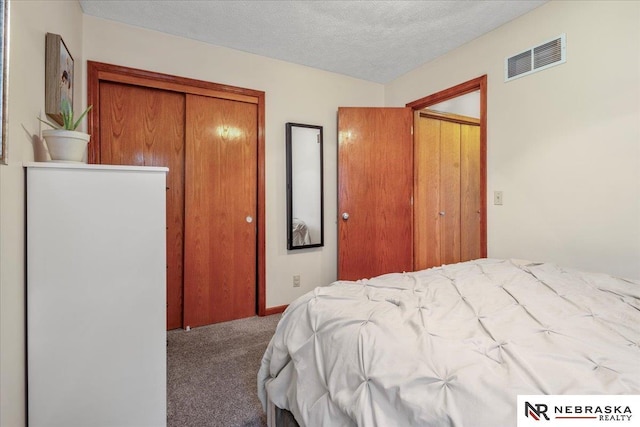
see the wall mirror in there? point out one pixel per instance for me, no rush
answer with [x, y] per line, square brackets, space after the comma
[305, 213]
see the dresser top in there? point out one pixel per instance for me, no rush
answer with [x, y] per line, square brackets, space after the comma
[75, 165]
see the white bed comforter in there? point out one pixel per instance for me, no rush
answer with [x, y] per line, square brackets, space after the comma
[452, 345]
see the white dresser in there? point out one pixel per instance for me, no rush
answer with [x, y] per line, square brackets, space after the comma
[96, 295]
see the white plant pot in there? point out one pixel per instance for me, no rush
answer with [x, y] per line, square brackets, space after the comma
[66, 145]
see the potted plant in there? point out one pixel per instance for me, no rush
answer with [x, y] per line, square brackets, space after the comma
[63, 141]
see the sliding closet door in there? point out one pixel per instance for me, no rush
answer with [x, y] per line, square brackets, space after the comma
[449, 194]
[470, 193]
[375, 181]
[426, 197]
[448, 199]
[145, 127]
[220, 210]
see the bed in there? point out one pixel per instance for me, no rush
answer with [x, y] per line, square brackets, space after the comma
[453, 345]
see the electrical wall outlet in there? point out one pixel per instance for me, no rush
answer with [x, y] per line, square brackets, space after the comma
[497, 197]
[296, 281]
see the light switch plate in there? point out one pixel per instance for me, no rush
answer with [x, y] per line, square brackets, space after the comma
[497, 197]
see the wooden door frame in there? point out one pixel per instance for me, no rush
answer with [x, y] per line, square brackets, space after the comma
[479, 83]
[98, 72]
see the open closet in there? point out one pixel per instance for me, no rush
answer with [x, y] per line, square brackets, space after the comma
[210, 137]
[411, 186]
[446, 189]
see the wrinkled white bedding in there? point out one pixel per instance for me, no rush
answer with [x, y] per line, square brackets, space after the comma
[452, 345]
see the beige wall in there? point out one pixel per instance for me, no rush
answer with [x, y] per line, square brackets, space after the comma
[293, 94]
[564, 143]
[29, 23]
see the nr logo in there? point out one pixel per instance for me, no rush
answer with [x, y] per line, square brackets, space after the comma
[536, 411]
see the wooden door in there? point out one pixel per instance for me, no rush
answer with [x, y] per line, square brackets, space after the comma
[448, 190]
[375, 180]
[426, 195]
[470, 193]
[145, 127]
[220, 210]
[449, 194]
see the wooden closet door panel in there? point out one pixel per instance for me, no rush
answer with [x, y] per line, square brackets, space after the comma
[427, 193]
[145, 127]
[220, 210]
[450, 192]
[375, 180]
[470, 193]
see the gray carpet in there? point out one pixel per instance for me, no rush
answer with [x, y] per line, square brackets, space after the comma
[212, 371]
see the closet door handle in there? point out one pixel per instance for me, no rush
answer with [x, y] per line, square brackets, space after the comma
[345, 216]
[441, 213]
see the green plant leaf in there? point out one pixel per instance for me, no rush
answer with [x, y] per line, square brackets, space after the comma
[66, 112]
[77, 123]
[52, 124]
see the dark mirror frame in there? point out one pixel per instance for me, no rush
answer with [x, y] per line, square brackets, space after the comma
[4, 77]
[290, 186]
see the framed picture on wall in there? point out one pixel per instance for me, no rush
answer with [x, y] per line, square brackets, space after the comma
[4, 77]
[58, 76]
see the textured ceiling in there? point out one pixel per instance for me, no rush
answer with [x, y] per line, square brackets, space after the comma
[371, 40]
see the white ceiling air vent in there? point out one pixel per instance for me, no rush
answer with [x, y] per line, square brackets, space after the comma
[536, 58]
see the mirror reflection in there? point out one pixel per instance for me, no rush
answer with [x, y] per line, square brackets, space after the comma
[304, 186]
